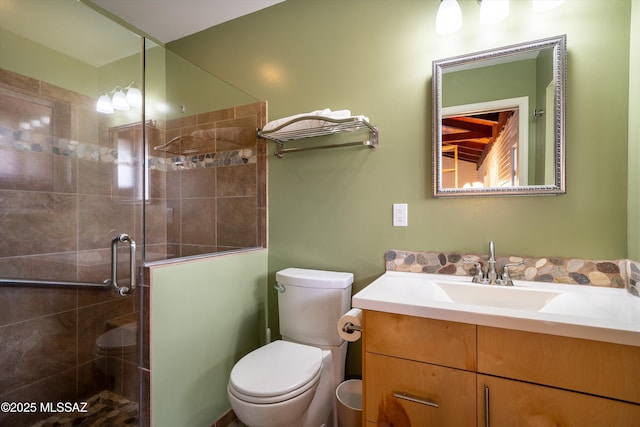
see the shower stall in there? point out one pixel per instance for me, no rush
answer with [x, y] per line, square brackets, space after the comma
[114, 153]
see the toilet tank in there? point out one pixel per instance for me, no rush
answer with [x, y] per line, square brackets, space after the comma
[310, 302]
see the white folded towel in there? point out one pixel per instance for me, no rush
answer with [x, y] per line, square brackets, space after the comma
[308, 124]
[275, 123]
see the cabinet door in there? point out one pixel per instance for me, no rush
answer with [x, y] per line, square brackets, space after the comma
[440, 342]
[603, 369]
[404, 393]
[514, 404]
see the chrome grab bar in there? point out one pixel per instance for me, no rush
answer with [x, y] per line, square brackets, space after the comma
[124, 238]
[122, 290]
[49, 283]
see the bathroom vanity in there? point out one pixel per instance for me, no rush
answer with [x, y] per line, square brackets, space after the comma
[428, 361]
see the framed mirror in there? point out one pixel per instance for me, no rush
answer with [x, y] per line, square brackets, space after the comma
[499, 121]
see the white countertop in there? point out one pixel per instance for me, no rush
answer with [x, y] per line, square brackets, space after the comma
[578, 311]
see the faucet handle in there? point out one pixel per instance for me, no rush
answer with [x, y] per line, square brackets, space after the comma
[506, 278]
[479, 276]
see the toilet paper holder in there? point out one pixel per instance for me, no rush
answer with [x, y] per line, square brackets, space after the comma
[351, 328]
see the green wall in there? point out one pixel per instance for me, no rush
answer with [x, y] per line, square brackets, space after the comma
[23, 56]
[490, 83]
[633, 237]
[205, 315]
[197, 90]
[332, 208]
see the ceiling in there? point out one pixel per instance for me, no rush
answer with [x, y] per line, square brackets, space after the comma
[70, 27]
[472, 135]
[168, 20]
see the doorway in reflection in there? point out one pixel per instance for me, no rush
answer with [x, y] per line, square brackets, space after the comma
[481, 150]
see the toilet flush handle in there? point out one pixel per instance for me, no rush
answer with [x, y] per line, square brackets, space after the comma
[280, 288]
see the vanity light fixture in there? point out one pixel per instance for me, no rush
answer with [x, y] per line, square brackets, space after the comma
[134, 96]
[493, 11]
[120, 100]
[104, 105]
[449, 17]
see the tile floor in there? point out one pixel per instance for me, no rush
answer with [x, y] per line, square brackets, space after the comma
[104, 409]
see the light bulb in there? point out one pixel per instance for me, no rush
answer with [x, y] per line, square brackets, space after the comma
[120, 101]
[449, 17]
[104, 105]
[134, 97]
[493, 11]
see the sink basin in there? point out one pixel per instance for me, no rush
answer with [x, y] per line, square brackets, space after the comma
[497, 296]
[588, 312]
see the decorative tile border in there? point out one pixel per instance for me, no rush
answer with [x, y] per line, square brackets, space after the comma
[22, 140]
[606, 273]
[208, 160]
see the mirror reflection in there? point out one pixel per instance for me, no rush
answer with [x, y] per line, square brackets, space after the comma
[499, 121]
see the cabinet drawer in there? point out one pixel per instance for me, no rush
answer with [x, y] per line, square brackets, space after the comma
[451, 390]
[604, 369]
[514, 404]
[427, 340]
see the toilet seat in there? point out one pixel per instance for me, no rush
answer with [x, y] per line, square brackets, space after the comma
[276, 372]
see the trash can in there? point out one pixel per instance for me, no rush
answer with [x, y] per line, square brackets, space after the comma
[349, 395]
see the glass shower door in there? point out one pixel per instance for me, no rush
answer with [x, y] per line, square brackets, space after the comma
[71, 203]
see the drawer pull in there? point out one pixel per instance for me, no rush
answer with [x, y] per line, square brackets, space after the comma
[405, 396]
[487, 421]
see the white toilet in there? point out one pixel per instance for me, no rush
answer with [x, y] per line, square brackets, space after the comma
[118, 342]
[113, 350]
[291, 382]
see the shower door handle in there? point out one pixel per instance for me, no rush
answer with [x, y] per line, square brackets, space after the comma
[124, 238]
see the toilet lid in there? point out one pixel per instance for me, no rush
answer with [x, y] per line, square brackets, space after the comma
[278, 368]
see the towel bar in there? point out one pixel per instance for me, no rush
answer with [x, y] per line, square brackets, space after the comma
[330, 126]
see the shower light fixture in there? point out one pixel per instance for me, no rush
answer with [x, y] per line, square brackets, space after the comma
[120, 100]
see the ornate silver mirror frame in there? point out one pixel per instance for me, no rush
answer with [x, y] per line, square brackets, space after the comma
[551, 175]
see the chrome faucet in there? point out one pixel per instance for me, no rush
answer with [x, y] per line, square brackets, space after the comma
[491, 277]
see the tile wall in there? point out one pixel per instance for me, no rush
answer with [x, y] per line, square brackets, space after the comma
[60, 204]
[65, 192]
[208, 188]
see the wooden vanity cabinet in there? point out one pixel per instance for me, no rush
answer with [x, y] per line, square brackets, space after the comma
[537, 379]
[413, 364]
[418, 372]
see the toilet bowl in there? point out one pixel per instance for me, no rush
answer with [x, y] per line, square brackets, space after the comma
[115, 354]
[275, 386]
[291, 382]
[118, 342]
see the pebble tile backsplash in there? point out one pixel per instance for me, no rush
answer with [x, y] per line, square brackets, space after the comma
[606, 273]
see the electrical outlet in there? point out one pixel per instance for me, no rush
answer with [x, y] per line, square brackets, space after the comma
[400, 215]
